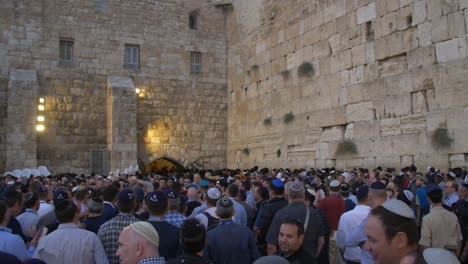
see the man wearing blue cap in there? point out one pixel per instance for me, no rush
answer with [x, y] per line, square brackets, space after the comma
[267, 212]
[109, 232]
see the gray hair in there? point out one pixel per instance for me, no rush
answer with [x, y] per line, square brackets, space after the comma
[95, 207]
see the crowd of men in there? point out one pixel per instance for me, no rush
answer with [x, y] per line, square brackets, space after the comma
[233, 216]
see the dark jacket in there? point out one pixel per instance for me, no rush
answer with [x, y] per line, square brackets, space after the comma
[187, 258]
[265, 216]
[169, 246]
[109, 212]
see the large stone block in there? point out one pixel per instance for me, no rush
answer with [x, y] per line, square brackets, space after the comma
[413, 124]
[434, 9]
[334, 133]
[419, 11]
[390, 127]
[448, 50]
[358, 55]
[366, 13]
[360, 112]
[424, 34]
[456, 24]
[439, 29]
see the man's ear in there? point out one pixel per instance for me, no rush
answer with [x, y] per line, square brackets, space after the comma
[301, 238]
[400, 240]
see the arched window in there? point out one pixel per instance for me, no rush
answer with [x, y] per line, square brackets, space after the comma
[194, 18]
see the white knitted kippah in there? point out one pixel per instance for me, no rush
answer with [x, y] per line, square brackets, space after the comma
[147, 231]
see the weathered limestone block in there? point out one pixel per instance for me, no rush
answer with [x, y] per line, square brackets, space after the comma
[435, 119]
[349, 132]
[439, 29]
[424, 34]
[410, 39]
[463, 4]
[419, 11]
[21, 136]
[360, 112]
[448, 50]
[393, 66]
[388, 24]
[419, 102]
[365, 130]
[397, 105]
[421, 57]
[358, 55]
[434, 9]
[413, 124]
[393, 5]
[334, 133]
[121, 105]
[458, 160]
[390, 127]
[366, 13]
[403, 20]
[456, 24]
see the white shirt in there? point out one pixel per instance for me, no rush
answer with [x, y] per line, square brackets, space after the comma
[349, 221]
[353, 198]
[44, 208]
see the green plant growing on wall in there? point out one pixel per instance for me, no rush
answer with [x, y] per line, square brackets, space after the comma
[288, 118]
[346, 147]
[278, 153]
[441, 138]
[246, 151]
[254, 67]
[267, 121]
[306, 70]
[285, 74]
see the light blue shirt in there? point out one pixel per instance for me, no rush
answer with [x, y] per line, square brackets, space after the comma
[453, 198]
[27, 220]
[240, 217]
[357, 237]
[198, 210]
[13, 244]
[250, 199]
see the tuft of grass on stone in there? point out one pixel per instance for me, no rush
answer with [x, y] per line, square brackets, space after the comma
[346, 147]
[306, 70]
[267, 121]
[278, 153]
[441, 138]
[246, 151]
[254, 67]
[285, 74]
[288, 118]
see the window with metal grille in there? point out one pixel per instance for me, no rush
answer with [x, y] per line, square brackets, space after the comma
[98, 163]
[132, 56]
[66, 51]
[195, 63]
[193, 20]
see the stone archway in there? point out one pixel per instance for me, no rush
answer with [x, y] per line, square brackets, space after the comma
[164, 163]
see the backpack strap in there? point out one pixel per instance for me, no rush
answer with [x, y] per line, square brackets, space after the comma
[306, 222]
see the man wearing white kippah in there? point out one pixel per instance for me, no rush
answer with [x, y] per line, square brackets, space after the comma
[138, 243]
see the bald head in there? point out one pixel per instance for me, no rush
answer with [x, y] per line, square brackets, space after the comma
[192, 194]
[136, 242]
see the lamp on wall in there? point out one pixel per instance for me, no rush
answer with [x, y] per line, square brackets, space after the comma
[40, 118]
[137, 90]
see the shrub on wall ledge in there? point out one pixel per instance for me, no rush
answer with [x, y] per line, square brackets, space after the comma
[278, 153]
[288, 118]
[254, 67]
[346, 147]
[267, 121]
[441, 138]
[306, 70]
[246, 151]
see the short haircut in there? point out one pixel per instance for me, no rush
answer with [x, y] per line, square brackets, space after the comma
[127, 207]
[297, 223]
[435, 196]
[95, 206]
[192, 236]
[394, 223]
[30, 199]
[173, 203]
[455, 185]
[263, 192]
[276, 190]
[11, 197]
[157, 208]
[233, 190]
[65, 211]
[80, 195]
[3, 210]
[110, 193]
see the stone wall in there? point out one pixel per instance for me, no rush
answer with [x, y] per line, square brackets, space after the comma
[386, 75]
[76, 94]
